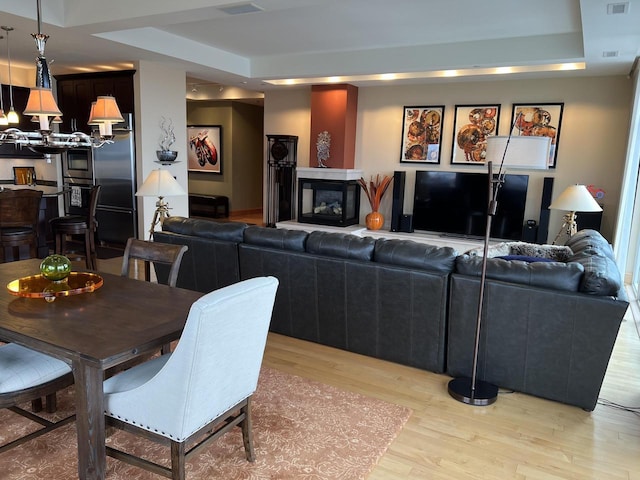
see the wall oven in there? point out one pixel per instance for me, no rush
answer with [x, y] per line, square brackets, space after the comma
[77, 163]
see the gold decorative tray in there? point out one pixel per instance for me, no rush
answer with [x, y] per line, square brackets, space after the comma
[37, 286]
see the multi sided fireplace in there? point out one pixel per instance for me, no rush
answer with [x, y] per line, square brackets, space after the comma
[333, 200]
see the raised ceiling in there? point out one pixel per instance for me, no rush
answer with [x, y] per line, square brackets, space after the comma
[281, 39]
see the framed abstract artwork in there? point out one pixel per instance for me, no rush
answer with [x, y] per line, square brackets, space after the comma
[541, 120]
[422, 134]
[204, 153]
[472, 125]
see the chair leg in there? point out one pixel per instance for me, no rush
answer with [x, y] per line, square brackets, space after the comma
[58, 243]
[51, 403]
[87, 250]
[247, 431]
[36, 405]
[94, 253]
[177, 460]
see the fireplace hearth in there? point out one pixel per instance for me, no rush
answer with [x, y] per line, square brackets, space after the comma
[328, 202]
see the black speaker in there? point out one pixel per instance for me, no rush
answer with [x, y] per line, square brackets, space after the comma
[588, 220]
[543, 224]
[406, 223]
[530, 231]
[398, 200]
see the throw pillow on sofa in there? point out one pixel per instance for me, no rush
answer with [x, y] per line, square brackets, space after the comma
[557, 253]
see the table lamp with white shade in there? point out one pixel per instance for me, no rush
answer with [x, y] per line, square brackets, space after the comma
[575, 198]
[160, 183]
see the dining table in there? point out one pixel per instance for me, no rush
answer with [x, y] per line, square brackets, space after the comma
[93, 330]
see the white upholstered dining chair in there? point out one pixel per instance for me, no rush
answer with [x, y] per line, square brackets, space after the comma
[27, 376]
[203, 388]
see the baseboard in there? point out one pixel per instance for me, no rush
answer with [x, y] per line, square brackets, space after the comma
[238, 213]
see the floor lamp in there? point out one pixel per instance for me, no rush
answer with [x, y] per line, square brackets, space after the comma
[160, 183]
[515, 152]
[575, 198]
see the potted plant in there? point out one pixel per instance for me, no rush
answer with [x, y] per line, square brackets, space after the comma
[168, 137]
[375, 191]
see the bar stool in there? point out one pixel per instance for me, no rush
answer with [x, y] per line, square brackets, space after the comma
[19, 211]
[79, 225]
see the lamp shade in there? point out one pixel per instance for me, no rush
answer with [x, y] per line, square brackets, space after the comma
[105, 109]
[160, 183]
[576, 198]
[41, 102]
[529, 152]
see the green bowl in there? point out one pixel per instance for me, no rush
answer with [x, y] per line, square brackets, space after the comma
[55, 267]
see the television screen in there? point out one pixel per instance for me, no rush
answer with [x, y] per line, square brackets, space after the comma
[456, 203]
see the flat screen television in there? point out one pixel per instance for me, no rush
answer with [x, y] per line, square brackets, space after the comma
[456, 203]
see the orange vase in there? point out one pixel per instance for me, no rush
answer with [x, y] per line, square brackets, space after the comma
[374, 221]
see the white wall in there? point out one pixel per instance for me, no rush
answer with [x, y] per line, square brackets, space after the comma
[591, 147]
[159, 92]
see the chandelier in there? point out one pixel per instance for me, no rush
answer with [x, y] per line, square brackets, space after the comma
[43, 109]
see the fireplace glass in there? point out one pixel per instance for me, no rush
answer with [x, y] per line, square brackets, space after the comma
[328, 202]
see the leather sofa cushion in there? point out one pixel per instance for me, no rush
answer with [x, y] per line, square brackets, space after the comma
[590, 240]
[228, 231]
[594, 253]
[340, 245]
[551, 275]
[279, 238]
[601, 275]
[411, 254]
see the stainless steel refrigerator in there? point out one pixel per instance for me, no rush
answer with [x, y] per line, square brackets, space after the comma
[114, 167]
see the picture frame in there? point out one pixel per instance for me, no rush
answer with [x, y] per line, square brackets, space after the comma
[471, 127]
[24, 175]
[539, 119]
[204, 148]
[422, 134]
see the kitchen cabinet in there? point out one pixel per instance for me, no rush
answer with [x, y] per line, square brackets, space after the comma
[77, 91]
[20, 97]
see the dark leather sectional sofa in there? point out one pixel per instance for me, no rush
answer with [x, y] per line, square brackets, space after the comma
[416, 304]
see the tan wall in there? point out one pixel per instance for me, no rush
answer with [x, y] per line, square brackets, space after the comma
[591, 147]
[242, 152]
[248, 156]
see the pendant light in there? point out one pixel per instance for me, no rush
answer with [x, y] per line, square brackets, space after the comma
[3, 117]
[42, 107]
[12, 116]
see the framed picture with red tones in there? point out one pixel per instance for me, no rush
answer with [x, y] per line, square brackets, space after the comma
[539, 119]
[472, 125]
[204, 152]
[422, 134]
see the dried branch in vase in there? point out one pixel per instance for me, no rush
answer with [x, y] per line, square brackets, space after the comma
[375, 190]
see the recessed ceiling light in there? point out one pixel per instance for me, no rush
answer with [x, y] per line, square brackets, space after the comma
[617, 8]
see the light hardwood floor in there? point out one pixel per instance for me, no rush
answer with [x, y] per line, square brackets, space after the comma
[519, 437]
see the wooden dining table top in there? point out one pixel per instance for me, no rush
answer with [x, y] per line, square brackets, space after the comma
[120, 319]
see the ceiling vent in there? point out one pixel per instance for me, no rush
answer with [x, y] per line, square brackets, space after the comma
[240, 8]
[610, 53]
[617, 8]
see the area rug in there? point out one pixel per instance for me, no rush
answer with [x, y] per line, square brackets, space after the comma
[302, 430]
